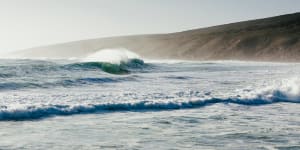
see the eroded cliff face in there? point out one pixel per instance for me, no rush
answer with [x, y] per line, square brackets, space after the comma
[269, 39]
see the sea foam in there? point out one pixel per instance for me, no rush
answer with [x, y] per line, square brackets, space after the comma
[285, 91]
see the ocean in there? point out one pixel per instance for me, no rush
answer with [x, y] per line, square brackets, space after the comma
[131, 103]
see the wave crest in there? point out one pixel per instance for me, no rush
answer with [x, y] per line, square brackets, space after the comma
[285, 90]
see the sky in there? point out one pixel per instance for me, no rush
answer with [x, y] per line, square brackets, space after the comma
[30, 23]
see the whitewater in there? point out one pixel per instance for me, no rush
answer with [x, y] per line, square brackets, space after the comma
[114, 99]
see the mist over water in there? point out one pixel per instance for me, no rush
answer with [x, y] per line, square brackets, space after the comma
[205, 102]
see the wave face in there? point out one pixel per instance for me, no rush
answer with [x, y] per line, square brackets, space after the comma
[119, 68]
[37, 89]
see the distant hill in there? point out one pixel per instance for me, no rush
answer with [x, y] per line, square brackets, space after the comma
[270, 39]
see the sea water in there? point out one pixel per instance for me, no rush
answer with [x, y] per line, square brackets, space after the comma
[146, 104]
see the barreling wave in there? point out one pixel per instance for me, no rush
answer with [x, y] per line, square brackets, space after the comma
[40, 112]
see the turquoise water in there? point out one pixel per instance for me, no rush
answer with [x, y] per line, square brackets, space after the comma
[68, 104]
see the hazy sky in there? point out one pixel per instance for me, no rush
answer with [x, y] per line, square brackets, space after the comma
[30, 23]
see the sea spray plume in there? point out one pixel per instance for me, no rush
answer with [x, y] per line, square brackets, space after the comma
[114, 56]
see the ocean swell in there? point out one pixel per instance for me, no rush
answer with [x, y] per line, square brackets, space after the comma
[63, 83]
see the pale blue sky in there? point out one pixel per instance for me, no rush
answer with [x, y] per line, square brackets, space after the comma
[30, 23]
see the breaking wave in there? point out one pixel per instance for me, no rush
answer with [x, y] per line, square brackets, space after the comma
[288, 93]
[114, 61]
